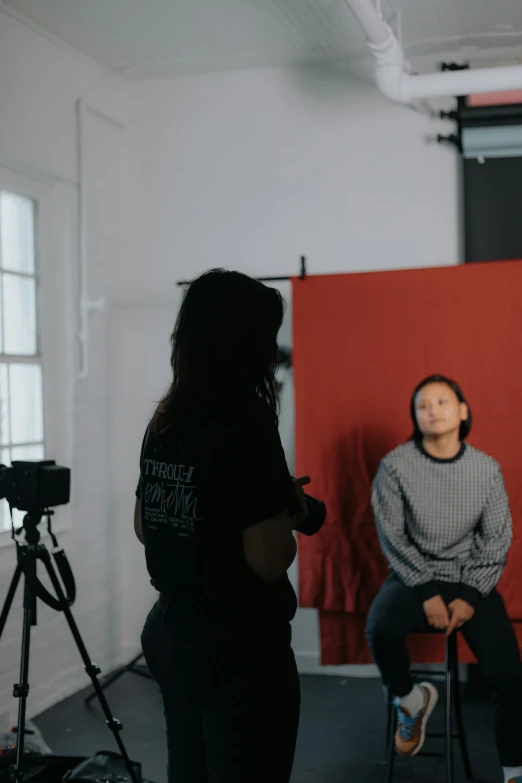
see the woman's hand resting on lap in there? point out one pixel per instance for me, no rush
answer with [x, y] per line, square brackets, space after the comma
[460, 612]
[437, 613]
[447, 618]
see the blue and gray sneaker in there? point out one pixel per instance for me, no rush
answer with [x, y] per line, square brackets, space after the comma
[411, 729]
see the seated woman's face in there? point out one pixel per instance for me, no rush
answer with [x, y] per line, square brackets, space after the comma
[439, 411]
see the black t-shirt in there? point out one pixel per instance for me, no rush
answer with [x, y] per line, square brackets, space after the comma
[220, 473]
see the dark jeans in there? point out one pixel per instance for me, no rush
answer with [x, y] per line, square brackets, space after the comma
[398, 612]
[231, 706]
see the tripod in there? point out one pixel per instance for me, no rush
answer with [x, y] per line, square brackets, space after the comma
[28, 554]
[133, 668]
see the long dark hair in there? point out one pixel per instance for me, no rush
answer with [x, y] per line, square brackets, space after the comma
[224, 346]
[465, 427]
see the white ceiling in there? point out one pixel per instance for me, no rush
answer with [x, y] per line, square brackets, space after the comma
[161, 38]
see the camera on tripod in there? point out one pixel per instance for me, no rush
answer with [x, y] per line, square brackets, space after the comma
[35, 486]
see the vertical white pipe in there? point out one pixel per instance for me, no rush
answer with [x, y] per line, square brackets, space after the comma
[83, 330]
[376, 29]
[85, 305]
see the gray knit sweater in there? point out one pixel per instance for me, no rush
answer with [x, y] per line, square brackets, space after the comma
[443, 520]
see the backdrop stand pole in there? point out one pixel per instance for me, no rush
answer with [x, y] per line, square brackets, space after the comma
[302, 276]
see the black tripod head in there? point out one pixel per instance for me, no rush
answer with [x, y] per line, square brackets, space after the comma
[30, 549]
[30, 526]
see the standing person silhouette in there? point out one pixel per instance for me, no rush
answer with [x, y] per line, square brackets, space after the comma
[216, 508]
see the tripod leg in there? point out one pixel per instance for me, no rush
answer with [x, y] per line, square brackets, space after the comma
[143, 672]
[92, 670]
[116, 676]
[9, 597]
[21, 689]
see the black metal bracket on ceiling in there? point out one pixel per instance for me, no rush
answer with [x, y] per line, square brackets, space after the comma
[302, 276]
[466, 116]
[455, 115]
[454, 66]
[450, 138]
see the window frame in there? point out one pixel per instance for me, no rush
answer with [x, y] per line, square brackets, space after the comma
[55, 278]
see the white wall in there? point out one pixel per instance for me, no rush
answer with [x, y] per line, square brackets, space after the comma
[253, 169]
[39, 85]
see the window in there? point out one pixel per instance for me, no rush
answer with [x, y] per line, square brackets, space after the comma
[21, 399]
[38, 324]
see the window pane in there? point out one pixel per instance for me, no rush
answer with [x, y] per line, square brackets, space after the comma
[27, 453]
[25, 395]
[17, 232]
[4, 405]
[19, 315]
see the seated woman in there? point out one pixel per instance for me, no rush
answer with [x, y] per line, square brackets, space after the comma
[444, 525]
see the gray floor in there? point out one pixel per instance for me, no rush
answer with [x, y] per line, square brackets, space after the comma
[340, 741]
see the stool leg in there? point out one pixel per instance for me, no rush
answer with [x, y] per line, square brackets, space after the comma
[448, 728]
[390, 745]
[389, 720]
[463, 740]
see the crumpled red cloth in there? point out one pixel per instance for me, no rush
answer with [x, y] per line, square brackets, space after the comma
[361, 344]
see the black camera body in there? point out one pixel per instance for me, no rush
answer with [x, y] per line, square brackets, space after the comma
[35, 486]
[315, 519]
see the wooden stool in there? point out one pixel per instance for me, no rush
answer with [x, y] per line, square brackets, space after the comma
[452, 703]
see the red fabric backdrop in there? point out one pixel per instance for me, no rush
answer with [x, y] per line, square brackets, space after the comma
[361, 344]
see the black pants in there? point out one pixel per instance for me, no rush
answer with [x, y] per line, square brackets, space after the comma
[398, 612]
[231, 707]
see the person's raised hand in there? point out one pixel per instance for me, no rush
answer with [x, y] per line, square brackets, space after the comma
[437, 613]
[460, 612]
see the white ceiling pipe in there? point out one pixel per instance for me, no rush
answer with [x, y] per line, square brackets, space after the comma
[376, 29]
[468, 82]
[398, 85]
